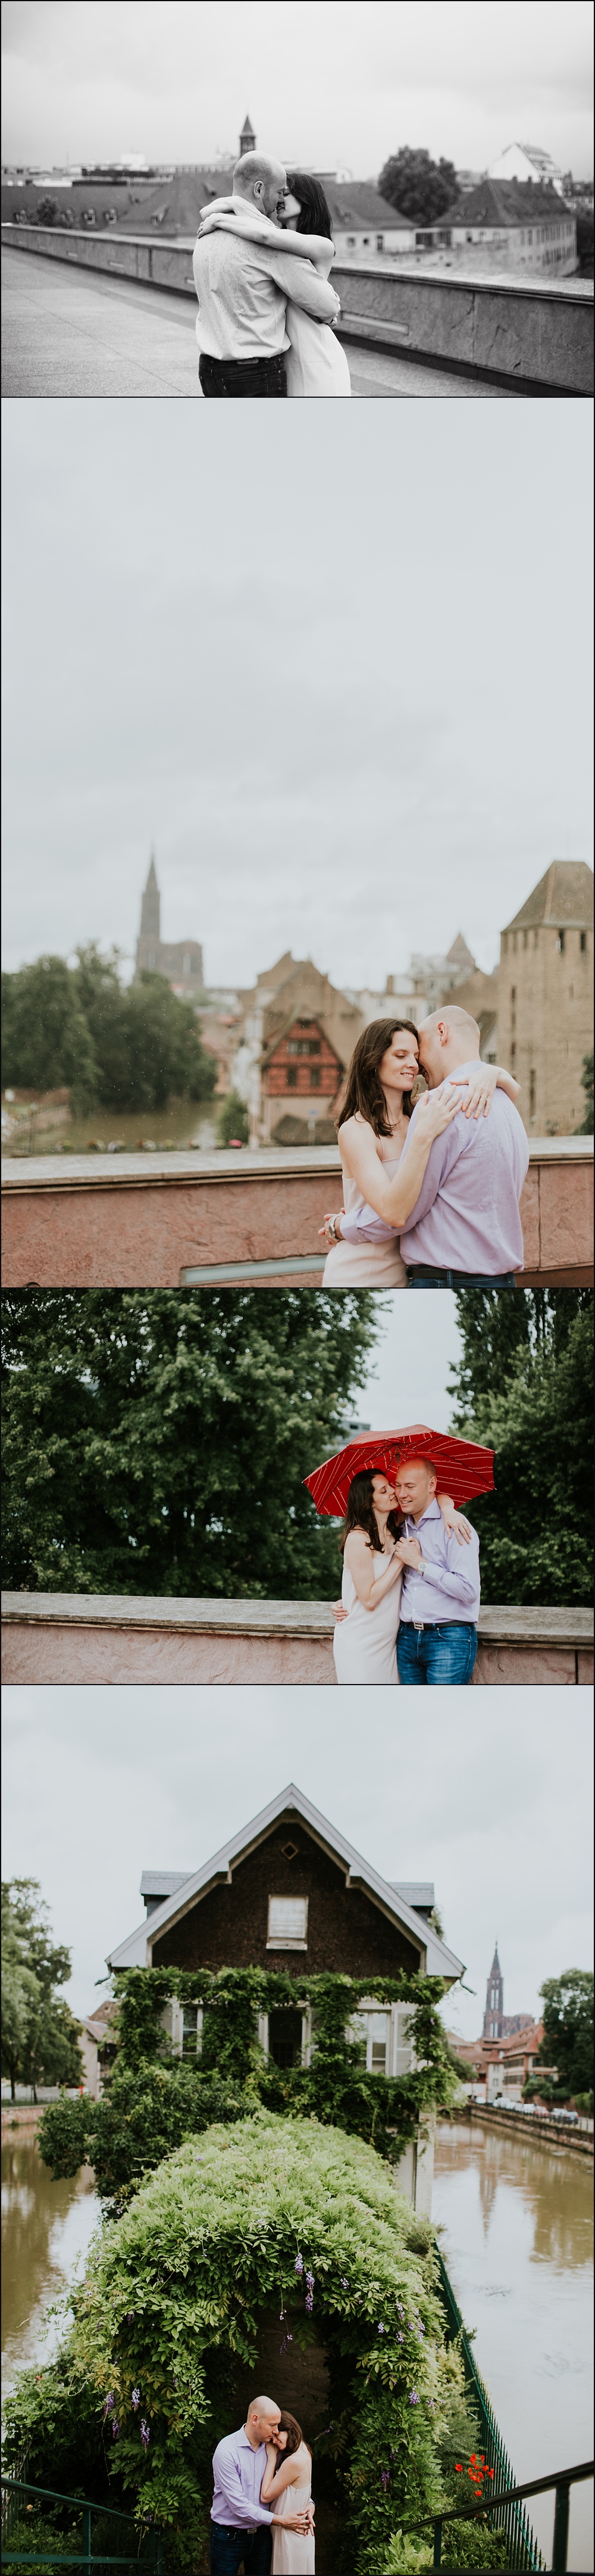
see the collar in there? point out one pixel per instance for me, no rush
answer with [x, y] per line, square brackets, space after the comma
[432, 1513]
[245, 2445]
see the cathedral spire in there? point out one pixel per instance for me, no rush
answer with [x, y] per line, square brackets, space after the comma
[151, 905]
[493, 2019]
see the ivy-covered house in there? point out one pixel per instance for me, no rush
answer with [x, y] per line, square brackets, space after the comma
[289, 1893]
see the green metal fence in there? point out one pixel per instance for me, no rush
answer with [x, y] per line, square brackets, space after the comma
[88, 2543]
[522, 2549]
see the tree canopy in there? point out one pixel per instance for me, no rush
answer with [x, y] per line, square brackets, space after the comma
[524, 1385]
[114, 1046]
[40, 2038]
[158, 1444]
[418, 186]
[568, 2030]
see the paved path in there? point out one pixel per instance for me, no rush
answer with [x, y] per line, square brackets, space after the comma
[70, 331]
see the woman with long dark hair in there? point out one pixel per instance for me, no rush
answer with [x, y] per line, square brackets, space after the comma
[315, 362]
[374, 1110]
[365, 1641]
[287, 2486]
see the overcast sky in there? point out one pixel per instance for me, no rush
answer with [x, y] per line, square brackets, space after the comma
[341, 679]
[330, 82]
[101, 1784]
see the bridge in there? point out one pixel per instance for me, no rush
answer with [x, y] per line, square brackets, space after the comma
[91, 313]
[55, 1639]
[192, 1219]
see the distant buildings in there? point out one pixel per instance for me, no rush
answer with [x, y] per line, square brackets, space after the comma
[179, 960]
[527, 161]
[545, 997]
[501, 2059]
[519, 225]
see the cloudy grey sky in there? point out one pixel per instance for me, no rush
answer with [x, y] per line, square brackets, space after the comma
[102, 1784]
[341, 679]
[329, 82]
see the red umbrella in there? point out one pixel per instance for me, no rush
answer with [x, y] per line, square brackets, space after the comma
[464, 1468]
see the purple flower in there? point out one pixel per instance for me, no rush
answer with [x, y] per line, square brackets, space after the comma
[400, 2310]
[107, 2404]
[382, 2330]
[385, 2475]
[400, 2338]
[115, 2427]
[130, 2316]
[309, 2303]
[413, 2397]
[299, 2264]
[344, 2284]
[309, 2280]
[135, 2398]
[144, 2434]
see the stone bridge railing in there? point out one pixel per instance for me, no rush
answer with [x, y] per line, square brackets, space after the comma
[168, 1220]
[531, 333]
[60, 1639]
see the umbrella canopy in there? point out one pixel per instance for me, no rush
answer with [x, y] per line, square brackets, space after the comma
[464, 1469]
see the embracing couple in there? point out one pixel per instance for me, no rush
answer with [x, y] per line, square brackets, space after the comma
[431, 1192]
[266, 310]
[410, 1590]
[262, 2516]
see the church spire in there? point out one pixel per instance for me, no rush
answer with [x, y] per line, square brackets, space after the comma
[151, 905]
[493, 2019]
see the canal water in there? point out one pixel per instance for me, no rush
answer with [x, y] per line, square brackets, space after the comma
[516, 2222]
[188, 1122]
[46, 2230]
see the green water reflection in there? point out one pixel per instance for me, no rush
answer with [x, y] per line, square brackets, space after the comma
[517, 2237]
[189, 1122]
[46, 2227]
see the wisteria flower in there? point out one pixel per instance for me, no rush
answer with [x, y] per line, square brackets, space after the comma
[309, 2280]
[135, 2398]
[413, 2397]
[385, 2475]
[309, 2303]
[144, 2434]
[400, 2338]
[108, 2403]
[299, 2265]
[344, 2284]
[115, 2427]
[382, 2329]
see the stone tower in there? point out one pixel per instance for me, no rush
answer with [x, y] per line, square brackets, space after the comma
[247, 138]
[493, 2019]
[179, 960]
[545, 998]
[150, 917]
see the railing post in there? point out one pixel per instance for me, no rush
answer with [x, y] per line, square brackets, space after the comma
[437, 2558]
[87, 2533]
[561, 2520]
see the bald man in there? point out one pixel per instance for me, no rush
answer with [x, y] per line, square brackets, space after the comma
[465, 1227]
[241, 2527]
[243, 290]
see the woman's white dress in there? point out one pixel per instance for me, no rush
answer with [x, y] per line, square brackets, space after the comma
[293, 2551]
[364, 1265]
[365, 1643]
[315, 362]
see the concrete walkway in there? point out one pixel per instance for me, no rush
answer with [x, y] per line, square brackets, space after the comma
[72, 332]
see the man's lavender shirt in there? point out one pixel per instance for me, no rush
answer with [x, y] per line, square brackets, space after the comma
[452, 1589]
[466, 1216]
[238, 2473]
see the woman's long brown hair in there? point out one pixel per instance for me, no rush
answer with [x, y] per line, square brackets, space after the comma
[289, 2424]
[363, 1088]
[360, 1513]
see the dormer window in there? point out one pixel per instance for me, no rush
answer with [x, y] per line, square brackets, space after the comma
[287, 1923]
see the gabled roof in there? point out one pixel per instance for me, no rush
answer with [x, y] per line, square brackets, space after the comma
[279, 1035]
[564, 896]
[505, 202]
[434, 1958]
[354, 203]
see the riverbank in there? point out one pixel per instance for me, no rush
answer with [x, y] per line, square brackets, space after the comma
[551, 2133]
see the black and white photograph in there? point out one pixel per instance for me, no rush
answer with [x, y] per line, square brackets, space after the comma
[297, 1026]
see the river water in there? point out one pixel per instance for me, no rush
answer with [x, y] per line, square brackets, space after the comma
[517, 2237]
[46, 2229]
[516, 2223]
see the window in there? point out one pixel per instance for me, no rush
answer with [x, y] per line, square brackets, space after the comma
[380, 241]
[513, 1053]
[315, 1077]
[288, 1923]
[525, 938]
[583, 942]
[285, 2038]
[292, 1075]
[385, 2036]
[532, 1093]
[561, 942]
[513, 992]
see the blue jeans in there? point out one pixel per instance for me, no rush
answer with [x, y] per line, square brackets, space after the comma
[231, 2549]
[444, 1652]
[421, 1278]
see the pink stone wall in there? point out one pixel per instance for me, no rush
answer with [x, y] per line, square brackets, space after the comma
[83, 1651]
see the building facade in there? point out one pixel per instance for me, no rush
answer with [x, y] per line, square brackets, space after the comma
[179, 960]
[516, 225]
[292, 1001]
[545, 998]
[288, 1892]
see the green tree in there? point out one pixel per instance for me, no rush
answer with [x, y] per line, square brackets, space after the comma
[40, 2038]
[419, 187]
[586, 1126]
[567, 2040]
[46, 1040]
[524, 1386]
[233, 1124]
[159, 1443]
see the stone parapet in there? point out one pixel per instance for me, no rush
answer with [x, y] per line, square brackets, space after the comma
[62, 1639]
[524, 332]
[169, 1220]
[553, 2134]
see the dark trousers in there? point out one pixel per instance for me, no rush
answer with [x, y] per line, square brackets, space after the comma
[442, 1653]
[419, 1277]
[243, 379]
[233, 2549]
